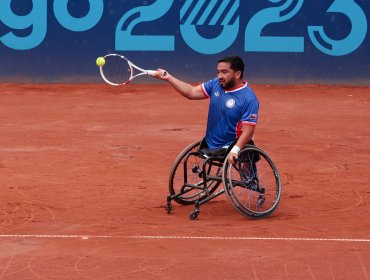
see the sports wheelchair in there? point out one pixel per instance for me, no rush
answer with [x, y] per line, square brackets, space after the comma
[252, 184]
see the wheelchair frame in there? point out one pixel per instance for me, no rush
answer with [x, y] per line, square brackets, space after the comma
[198, 181]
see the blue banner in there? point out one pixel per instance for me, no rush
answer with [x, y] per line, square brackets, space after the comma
[281, 41]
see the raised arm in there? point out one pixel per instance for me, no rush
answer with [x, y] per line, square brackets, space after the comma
[185, 89]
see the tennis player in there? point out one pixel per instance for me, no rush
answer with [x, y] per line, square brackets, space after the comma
[233, 108]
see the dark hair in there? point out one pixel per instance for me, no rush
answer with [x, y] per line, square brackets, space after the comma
[236, 63]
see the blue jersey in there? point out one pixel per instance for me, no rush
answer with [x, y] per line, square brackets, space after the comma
[228, 111]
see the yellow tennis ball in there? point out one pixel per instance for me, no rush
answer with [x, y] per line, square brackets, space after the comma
[100, 61]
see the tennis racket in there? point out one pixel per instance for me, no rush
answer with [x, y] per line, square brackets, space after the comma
[119, 71]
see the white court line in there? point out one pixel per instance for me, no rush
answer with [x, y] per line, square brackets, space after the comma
[57, 236]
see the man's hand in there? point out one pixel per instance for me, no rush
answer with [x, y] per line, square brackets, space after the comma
[162, 74]
[232, 157]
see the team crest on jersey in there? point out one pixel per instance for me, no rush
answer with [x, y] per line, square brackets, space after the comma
[217, 94]
[230, 103]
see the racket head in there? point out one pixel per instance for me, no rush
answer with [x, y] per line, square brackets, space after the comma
[117, 70]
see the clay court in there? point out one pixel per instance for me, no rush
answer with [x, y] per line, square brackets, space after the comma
[84, 178]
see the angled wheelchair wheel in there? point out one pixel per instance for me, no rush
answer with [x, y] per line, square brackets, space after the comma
[253, 184]
[186, 182]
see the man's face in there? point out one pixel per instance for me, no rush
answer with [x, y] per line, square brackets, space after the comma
[226, 76]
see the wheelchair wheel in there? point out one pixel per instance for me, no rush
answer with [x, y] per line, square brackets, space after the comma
[253, 184]
[186, 182]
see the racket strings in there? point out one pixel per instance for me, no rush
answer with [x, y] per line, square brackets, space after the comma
[116, 70]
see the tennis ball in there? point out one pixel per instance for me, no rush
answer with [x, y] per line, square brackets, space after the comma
[100, 61]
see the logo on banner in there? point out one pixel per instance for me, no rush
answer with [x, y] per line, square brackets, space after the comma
[221, 18]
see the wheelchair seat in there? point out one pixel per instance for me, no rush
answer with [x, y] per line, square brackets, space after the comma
[217, 154]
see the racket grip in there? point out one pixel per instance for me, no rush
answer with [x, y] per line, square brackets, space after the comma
[152, 73]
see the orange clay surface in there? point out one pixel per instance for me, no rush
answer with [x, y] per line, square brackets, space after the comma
[84, 178]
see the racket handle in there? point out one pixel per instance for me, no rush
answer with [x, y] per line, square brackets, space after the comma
[152, 73]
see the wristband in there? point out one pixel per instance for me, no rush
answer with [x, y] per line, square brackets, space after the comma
[235, 150]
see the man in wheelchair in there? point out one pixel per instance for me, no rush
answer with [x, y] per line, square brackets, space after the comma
[227, 154]
[233, 107]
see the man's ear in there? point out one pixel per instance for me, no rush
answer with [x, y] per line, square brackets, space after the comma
[238, 74]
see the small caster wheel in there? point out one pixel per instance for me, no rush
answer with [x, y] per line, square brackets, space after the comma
[261, 200]
[168, 208]
[193, 215]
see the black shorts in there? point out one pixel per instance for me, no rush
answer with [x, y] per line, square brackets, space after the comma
[217, 153]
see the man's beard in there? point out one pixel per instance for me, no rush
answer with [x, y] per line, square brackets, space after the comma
[228, 85]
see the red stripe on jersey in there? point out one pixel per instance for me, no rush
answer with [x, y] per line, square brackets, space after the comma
[244, 84]
[239, 129]
[204, 91]
[250, 123]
